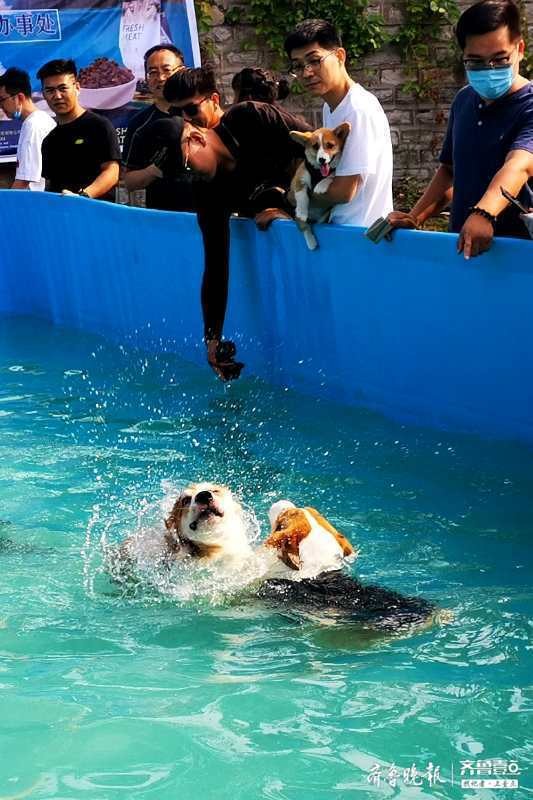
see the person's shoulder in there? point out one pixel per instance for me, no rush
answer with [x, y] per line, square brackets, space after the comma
[96, 121]
[249, 109]
[143, 117]
[241, 118]
[264, 113]
[167, 127]
[40, 118]
[294, 121]
[361, 99]
[54, 134]
[464, 97]
[243, 110]
[524, 97]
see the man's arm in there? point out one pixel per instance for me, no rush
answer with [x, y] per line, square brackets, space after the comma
[214, 225]
[134, 154]
[19, 184]
[106, 180]
[436, 197]
[141, 178]
[477, 233]
[342, 189]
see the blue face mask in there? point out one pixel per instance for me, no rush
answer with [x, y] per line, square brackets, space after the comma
[17, 114]
[491, 83]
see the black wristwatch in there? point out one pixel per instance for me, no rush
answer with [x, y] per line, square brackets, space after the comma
[483, 213]
[83, 193]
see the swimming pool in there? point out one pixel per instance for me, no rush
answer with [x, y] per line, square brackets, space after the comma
[105, 695]
[406, 328]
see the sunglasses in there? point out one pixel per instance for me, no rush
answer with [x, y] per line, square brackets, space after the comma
[192, 109]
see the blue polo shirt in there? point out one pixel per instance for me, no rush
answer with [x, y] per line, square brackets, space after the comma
[479, 137]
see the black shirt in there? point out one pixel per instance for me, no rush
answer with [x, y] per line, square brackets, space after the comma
[257, 135]
[479, 138]
[73, 153]
[140, 144]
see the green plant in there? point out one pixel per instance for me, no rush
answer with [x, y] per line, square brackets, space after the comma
[271, 20]
[526, 67]
[422, 28]
[203, 10]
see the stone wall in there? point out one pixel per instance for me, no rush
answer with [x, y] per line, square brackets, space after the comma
[417, 125]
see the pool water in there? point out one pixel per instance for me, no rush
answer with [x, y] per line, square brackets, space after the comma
[204, 692]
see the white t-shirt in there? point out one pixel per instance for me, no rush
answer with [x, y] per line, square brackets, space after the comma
[29, 162]
[368, 153]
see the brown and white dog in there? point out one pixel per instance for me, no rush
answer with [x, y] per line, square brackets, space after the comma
[305, 541]
[205, 522]
[323, 149]
[314, 552]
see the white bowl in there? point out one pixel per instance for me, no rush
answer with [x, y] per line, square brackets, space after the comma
[108, 96]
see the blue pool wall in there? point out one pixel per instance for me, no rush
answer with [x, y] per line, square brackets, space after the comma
[407, 328]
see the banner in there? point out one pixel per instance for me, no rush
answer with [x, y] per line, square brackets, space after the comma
[118, 31]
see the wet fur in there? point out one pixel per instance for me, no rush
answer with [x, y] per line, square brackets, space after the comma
[372, 606]
[196, 530]
[293, 525]
[331, 589]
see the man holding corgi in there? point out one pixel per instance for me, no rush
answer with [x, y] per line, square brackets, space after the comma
[361, 190]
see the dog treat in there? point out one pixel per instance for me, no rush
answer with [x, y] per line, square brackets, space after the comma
[104, 72]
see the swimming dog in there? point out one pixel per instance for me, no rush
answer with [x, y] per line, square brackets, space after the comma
[305, 541]
[323, 149]
[313, 554]
[205, 522]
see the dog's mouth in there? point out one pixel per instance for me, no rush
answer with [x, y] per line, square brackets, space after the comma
[205, 513]
[325, 169]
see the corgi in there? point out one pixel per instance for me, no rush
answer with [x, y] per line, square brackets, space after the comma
[205, 522]
[323, 150]
[311, 555]
[306, 542]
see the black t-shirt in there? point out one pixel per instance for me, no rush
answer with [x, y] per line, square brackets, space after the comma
[257, 135]
[141, 142]
[73, 153]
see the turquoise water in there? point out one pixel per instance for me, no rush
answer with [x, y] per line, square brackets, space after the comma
[201, 694]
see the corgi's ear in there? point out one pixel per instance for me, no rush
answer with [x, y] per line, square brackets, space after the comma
[342, 131]
[300, 137]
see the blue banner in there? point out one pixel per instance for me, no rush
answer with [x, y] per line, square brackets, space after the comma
[41, 25]
[119, 30]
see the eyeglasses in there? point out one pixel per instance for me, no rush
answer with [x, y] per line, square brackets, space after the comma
[476, 64]
[3, 99]
[192, 109]
[64, 88]
[314, 64]
[164, 72]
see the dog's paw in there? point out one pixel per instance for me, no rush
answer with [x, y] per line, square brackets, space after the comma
[310, 239]
[322, 186]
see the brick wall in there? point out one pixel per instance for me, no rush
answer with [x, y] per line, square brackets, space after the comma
[417, 125]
